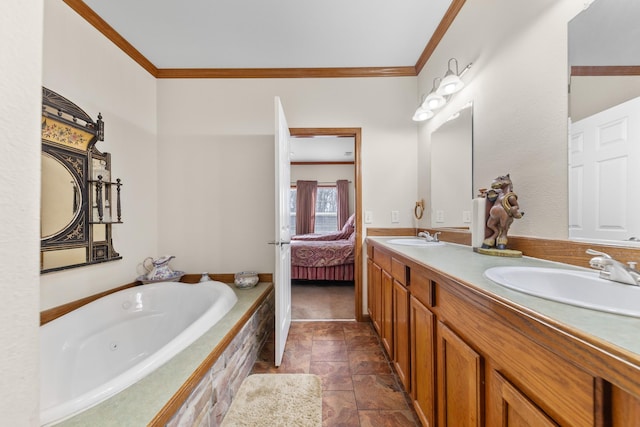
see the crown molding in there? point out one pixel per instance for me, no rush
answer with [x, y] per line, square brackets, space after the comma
[439, 33]
[283, 73]
[605, 70]
[81, 8]
[107, 30]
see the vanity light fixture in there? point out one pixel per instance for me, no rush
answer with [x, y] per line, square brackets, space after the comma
[451, 82]
[434, 100]
[438, 97]
[422, 114]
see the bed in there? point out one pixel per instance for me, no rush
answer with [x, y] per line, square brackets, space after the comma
[324, 256]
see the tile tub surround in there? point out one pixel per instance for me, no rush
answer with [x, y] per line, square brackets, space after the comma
[155, 399]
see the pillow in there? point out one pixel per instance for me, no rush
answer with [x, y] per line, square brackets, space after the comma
[350, 224]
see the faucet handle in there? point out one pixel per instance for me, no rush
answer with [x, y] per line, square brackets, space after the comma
[602, 254]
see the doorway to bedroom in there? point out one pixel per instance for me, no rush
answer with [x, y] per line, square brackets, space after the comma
[326, 259]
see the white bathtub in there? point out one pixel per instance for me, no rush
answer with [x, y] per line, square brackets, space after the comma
[94, 352]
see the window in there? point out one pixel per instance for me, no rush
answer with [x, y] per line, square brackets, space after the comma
[326, 209]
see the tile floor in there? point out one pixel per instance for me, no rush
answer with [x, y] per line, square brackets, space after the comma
[359, 386]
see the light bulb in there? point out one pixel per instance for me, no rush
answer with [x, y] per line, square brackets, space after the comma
[422, 114]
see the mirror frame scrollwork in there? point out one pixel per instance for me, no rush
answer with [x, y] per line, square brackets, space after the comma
[69, 136]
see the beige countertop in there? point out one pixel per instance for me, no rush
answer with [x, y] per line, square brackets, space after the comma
[460, 262]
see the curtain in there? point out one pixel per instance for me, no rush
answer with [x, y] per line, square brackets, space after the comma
[306, 206]
[343, 202]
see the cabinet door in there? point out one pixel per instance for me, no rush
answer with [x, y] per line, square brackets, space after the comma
[460, 381]
[387, 312]
[370, 293]
[401, 333]
[513, 408]
[423, 378]
[375, 281]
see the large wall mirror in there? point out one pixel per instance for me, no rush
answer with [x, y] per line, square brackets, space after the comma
[79, 201]
[452, 171]
[604, 123]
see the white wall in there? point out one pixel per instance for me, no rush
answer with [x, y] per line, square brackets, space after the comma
[518, 84]
[82, 65]
[327, 173]
[216, 162]
[593, 94]
[216, 138]
[20, 62]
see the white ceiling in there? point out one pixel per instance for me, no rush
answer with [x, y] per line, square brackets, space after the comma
[322, 149]
[219, 34]
[276, 33]
[606, 34]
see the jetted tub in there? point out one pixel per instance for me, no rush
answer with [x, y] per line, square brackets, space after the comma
[94, 352]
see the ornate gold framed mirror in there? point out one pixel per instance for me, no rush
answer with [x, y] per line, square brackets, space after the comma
[79, 200]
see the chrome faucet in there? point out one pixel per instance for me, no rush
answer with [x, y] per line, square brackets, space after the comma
[611, 269]
[428, 237]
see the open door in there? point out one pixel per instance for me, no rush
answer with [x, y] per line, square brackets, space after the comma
[604, 152]
[282, 242]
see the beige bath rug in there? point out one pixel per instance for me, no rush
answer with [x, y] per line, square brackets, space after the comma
[277, 400]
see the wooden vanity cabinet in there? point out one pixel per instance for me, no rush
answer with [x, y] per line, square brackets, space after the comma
[475, 361]
[513, 408]
[380, 287]
[390, 310]
[442, 363]
[625, 408]
[401, 344]
[374, 294]
[422, 343]
[460, 381]
[423, 362]
[387, 331]
[557, 386]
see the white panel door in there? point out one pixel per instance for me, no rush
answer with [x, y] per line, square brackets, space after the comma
[282, 277]
[604, 173]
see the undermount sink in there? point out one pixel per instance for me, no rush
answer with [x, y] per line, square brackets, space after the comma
[580, 288]
[413, 241]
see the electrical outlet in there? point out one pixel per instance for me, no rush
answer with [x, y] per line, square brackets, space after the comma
[466, 216]
[368, 217]
[395, 217]
[439, 216]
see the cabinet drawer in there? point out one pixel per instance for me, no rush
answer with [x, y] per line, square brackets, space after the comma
[399, 271]
[422, 287]
[383, 259]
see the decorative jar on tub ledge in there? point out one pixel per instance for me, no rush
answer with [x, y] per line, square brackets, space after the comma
[246, 279]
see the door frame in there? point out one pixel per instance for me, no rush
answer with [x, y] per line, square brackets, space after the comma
[356, 133]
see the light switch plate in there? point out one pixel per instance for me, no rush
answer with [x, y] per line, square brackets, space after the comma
[368, 217]
[439, 216]
[395, 217]
[466, 216]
